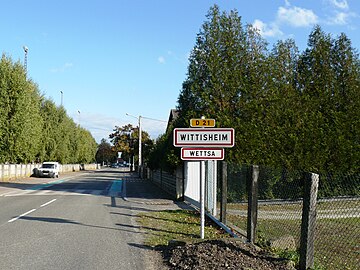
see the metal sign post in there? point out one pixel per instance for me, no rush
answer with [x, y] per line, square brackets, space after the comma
[202, 199]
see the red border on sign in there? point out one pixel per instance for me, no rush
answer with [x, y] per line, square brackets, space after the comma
[203, 149]
[204, 130]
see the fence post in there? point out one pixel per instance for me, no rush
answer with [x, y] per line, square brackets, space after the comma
[252, 203]
[308, 221]
[161, 178]
[2, 172]
[223, 201]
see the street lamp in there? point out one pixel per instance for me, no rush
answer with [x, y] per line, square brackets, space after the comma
[26, 50]
[140, 139]
[79, 116]
[62, 94]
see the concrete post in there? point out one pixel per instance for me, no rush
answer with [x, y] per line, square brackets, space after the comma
[308, 221]
[252, 203]
[223, 201]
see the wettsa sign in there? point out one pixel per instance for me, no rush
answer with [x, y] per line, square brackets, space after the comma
[193, 153]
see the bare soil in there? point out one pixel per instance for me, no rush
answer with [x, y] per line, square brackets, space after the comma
[221, 254]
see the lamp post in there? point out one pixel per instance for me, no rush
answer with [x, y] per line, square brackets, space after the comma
[79, 116]
[140, 139]
[62, 94]
[26, 50]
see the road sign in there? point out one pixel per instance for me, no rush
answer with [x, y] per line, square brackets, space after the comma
[202, 153]
[202, 123]
[201, 137]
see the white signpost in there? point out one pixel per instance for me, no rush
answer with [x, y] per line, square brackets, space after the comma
[205, 143]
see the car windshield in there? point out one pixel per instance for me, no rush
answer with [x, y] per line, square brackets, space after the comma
[48, 166]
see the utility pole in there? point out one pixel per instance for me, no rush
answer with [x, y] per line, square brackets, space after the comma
[140, 137]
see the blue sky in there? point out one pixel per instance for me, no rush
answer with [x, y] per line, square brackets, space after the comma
[112, 57]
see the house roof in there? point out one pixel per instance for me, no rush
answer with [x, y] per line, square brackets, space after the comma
[174, 114]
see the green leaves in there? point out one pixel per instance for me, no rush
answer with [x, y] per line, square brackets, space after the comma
[125, 139]
[34, 129]
[289, 109]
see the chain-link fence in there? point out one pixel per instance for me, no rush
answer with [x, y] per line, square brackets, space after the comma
[337, 236]
[280, 208]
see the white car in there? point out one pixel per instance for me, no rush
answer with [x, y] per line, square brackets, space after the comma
[49, 169]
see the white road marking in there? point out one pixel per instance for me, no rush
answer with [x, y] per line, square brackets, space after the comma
[16, 218]
[45, 204]
[29, 212]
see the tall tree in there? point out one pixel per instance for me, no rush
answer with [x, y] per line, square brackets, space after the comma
[20, 114]
[315, 82]
[283, 116]
[125, 139]
[104, 153]
[345, 141]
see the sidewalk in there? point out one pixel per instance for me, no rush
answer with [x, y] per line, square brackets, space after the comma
[146, 193]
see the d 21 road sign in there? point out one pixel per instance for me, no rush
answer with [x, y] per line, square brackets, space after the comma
[202, 122]
[202, 153]
[202, 137]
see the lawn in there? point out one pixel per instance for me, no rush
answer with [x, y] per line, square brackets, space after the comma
[183, 225]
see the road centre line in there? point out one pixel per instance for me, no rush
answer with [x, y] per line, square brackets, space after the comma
[16, 218]
[45, 204]
[30, 211]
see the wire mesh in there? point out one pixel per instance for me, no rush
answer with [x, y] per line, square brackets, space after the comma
[280, 203]
[211, 175]
[279, 209]
[337, 236]
[236, 212]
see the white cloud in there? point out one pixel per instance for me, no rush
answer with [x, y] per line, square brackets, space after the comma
[341, 4]
[287, 14]
[101, 125]
[341, 18]
[340, 13]
[296, 16]
[266, 30]
[161, 59]
[62, 68]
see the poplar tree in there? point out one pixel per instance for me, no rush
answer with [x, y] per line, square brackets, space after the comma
[283, 115]
[345, 144]
[20, 121]
[316, 85]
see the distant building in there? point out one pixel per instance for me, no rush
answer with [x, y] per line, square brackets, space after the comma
[174, 114]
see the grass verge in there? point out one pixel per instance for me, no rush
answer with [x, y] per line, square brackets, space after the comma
[182, 225]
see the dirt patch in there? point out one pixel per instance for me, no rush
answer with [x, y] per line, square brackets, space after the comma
[222, 254]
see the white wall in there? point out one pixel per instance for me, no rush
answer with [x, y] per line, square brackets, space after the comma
[192, 181]
[11, 171]
[192, 184]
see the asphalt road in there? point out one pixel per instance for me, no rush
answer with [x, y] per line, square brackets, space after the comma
[79, 222]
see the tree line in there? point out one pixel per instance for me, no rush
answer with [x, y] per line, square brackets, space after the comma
[33, 128]
[290, 109]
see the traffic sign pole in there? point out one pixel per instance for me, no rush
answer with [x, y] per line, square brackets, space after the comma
[202, 199]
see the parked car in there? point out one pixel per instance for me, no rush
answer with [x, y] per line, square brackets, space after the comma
[49, 169]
